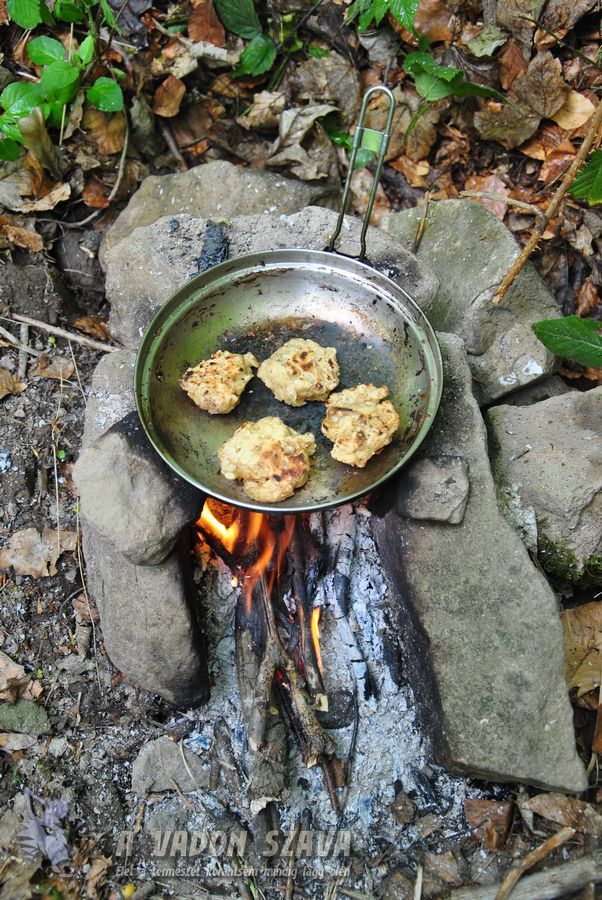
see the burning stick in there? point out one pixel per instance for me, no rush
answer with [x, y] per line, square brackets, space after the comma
[309, 619]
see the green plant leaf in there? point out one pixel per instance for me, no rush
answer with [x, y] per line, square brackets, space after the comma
[69, 11]
[26, 13]
[317, 52]
[10, 128]
[44, 50]
[431, 87]
[19, 98]
[53, 113]
[572, 338]
[109, 16]
[257, 57]
[9, 149]
[105, 94]
[404, 11]
[588, 183]
[59, 82]
[239, 17]
[86, 50]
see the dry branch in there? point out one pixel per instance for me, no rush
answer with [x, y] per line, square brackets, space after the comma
[67, 335]
[550, 884]
[541, 224]
[531, 859]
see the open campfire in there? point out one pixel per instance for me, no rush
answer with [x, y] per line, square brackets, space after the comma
[276, 562]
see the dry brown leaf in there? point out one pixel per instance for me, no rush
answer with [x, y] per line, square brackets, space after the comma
[96, 876]
[597, 739]
[329, 80]
[555, 165]
[559, 17]
[12, 742]
[583, 646]
[15, 683]
[415, 173]
[361, 187]
[574, 112]
[48, 201]
[4, 17]
[542, 88]
[432, 18]
[565, 811]
[59, 367]
[266, 111]
[94, 326]
[490, 184]
[491, 820]
[22, 237]
[96, 193]
[588, 298]
[512, 64]
[34, 554]
[85, 609]
[548, 139]
[204, 24]
[168, 97]
[513, 16]
[9, 384]
[106, 130]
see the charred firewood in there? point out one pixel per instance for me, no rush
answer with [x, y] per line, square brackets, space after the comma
[305, 611]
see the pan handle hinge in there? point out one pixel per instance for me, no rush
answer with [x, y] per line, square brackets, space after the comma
[370, 139]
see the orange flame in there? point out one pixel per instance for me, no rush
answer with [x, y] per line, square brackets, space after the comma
[314, 626]
[249, 533]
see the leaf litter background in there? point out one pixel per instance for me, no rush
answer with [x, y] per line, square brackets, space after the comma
[62, 704]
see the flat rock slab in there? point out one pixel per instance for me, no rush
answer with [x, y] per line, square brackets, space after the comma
[147, 268]
[470, 250]
[484, 636]
[111, 394]
[149, 621]
[131, 497]
[547, 460]
[216, 190]
[162, 765]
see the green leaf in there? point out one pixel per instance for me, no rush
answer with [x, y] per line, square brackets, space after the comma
[53, 113]
[572, 338]
[257, 57]
[588, 183]
[470, 89]
[379, 10]
[19, 98]
[487, 42]
[109, 16]
[10, 128]
[431, 87]
[317, 52]
[69, 11]
[26, 13]
[86, 50]
[59, 82]
[404, 11]
[105, 94]
[239, 17]
[9, 149]
[44, 50]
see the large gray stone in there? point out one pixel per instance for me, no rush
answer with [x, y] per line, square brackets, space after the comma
[144, 270]
[149, 620]
[131, 497]
[111, 394]
[470, 250]
[482, 625]
[548, 458]
[215, 190]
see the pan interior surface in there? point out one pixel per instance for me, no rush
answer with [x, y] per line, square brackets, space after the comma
[256, 303]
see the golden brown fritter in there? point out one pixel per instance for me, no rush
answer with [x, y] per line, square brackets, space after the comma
[299, 371]
[271, 459]
[360, 422]
[216, 384]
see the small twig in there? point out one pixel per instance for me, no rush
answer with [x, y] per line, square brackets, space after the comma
[520, 204]
[422, 222]
[531, 859]
[17, 344]
[171, 144]
[67, 335]
[23, 339]
[540, 225]
[418, 882]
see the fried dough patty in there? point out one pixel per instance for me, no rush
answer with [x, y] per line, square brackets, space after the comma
[271, 459]
[299, 371]
[360, 422]
[216, 384]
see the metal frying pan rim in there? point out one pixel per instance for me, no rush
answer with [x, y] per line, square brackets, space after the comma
[257, 261]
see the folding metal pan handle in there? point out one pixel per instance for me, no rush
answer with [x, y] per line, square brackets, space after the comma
[370, 139]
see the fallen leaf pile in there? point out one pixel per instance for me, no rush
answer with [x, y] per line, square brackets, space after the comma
[9, 384]
[30, 553]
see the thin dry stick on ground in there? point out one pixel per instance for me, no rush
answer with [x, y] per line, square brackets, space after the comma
[540, 225]
[531, 859]
[68, 335]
